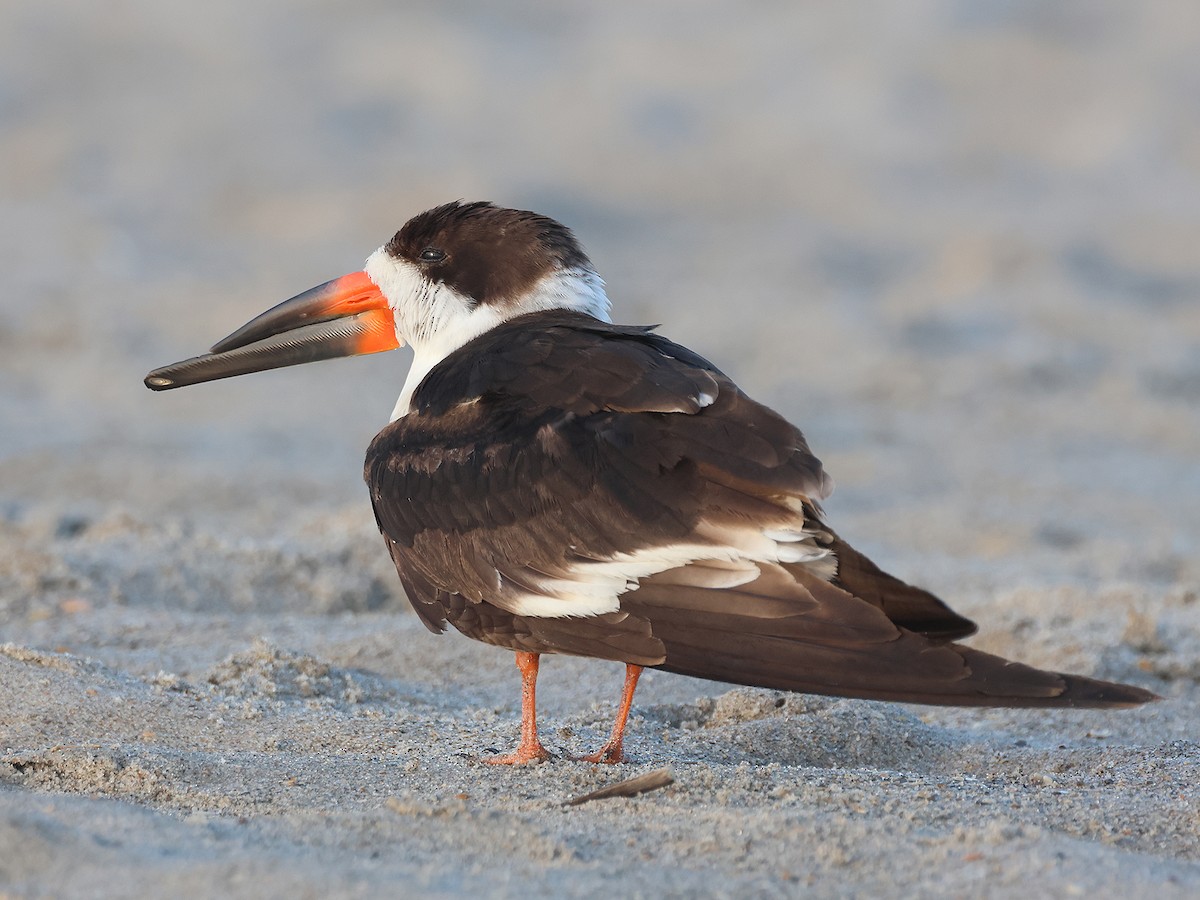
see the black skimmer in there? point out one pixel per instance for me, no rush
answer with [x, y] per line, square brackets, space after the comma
[553, 483]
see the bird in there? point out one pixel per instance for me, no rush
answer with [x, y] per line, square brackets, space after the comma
[553, 483]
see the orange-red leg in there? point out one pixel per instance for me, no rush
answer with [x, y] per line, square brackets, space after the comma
[612, 752]
[530, 748]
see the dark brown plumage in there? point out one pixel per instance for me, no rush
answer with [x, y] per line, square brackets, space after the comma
[484, 253]
[557, 484]
[555, 439]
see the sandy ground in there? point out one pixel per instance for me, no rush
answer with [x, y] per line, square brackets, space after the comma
[956, 242]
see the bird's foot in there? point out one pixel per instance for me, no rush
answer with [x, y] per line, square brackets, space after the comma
[610, 754]
[525, 753]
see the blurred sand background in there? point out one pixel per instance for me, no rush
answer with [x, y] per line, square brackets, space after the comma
[957, 242]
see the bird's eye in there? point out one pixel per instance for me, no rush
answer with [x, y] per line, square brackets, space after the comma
[432, 254]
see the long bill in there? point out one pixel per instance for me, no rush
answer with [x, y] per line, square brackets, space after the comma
[344, 317]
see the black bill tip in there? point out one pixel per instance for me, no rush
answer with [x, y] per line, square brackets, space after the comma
[157, 382]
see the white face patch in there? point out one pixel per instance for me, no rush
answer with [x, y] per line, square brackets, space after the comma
[435, 320]
[431, 317]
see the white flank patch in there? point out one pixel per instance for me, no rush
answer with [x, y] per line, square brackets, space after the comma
[435, 320]
[595, 587]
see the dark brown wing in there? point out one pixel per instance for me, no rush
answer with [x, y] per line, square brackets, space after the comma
[556, 442]
[564, 485]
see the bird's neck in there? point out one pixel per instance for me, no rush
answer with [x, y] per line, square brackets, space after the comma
[446, 322]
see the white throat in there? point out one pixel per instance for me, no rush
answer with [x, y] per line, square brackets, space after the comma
[435, 320]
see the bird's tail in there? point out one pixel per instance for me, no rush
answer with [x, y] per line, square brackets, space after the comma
[913, 672]
[791, 631]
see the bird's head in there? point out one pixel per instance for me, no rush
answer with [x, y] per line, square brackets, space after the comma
[447, 276]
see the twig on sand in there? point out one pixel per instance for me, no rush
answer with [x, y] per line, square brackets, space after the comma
[650, 781]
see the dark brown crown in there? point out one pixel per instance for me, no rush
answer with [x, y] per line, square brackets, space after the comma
[484, 252]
